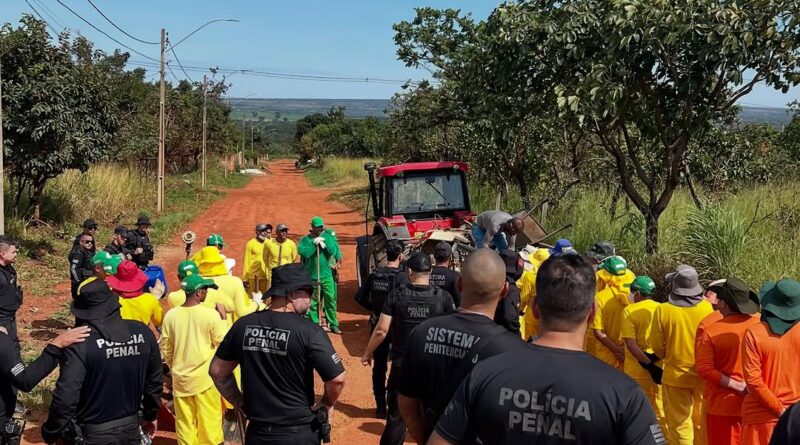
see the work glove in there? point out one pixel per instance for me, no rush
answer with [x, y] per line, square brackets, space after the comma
[319, 242]
[655, 372]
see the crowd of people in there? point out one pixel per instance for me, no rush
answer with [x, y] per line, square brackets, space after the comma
[541, 345]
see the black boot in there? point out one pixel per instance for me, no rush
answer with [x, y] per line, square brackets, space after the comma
[380, 410]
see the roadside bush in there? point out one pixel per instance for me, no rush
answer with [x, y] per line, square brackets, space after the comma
[715, 241]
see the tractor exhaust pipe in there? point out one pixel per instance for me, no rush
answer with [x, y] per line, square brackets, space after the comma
[370, 169]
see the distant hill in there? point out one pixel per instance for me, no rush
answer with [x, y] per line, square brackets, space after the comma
[294, 109]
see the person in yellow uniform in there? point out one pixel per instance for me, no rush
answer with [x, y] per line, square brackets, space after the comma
[211, 265]
[532, 258]
[280, 250]
[254, 269]
[190, 336]
[605, 341]
[672, 338]
[214, 300]
[640, 361]
[137, 304]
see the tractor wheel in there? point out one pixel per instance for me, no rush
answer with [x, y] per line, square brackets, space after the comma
[378, 251]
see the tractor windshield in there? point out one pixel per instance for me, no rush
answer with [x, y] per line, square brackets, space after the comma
[423, 193]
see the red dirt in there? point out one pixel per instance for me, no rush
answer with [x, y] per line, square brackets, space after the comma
[284, 196]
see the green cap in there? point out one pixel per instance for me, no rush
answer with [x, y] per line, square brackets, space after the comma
[100, 257]
[192, 283]
[186, 268]
[644, 285]
[215, 240]
[615, 265]
[111, 264]
[317, 221]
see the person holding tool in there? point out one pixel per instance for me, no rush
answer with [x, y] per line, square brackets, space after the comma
[108, 379]
[278, 350]
[316, 250]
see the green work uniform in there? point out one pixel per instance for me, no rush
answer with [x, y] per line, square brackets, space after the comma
[327, 288]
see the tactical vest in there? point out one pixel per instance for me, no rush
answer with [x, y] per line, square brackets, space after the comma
[381, 287]
[413, 306]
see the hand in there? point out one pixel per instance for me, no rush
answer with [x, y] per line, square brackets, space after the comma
[70, 337]
[158, 290]
[149, 428]
[319, 241]
[138, 251]
[740, 387]
[327, 408]
[366, 360]
[257, 297]
[620, 356]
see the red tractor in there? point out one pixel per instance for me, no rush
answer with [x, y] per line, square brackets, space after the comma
[420, 204]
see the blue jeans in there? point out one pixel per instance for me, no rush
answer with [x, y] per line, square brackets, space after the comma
[499, 241]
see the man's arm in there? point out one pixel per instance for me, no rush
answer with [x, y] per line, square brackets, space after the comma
[751, 364]
[704, 364]
[165, 343]
[601, 336]
[412, 412]
[221, 372]
[378, 335]
[66, 396]
[242, 303]
[306, 248]
[656, 337]
[292, 251]
[636, 351]
[74, 265]
[25, 378]
[153, 385]
[333, 389]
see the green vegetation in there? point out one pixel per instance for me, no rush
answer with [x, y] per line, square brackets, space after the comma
[753, 233]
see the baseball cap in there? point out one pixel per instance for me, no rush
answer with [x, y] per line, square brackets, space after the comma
[215, 240]
[120, 230]
[615, 265]
[419, 262]
[288, 278]
[643, 284]
[282, 227]
[261, 227]
[111, 265]
[143, 220]
[100, 257]
[562, 246]
[89, 223]
[186, 268]
[193, 283]
[442, 251]
[317, 222]
[736, 294]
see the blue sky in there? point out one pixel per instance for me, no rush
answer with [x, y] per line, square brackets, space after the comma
[347, 38]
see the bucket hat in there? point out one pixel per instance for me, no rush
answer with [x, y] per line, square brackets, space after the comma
[780, 302]
[736, 294]
[686, 289]
[96, 305]
[289, 278]
[129, 278]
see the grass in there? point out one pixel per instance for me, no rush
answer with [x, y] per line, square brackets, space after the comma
[753, 233]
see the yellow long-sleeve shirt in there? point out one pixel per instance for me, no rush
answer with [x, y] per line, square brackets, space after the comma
[188, 341]
[178, 297]
[637, 321]
[253, 265]
[277, 254]
[234, 296]
[145, 308]
[672, 337]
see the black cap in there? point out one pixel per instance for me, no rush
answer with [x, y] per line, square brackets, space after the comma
[143, 220]
[120, 230]
[89, 223]
[288, 278]
[442, 251]
[419, 262]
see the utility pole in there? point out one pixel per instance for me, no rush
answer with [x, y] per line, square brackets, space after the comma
[251, 138]
[2, 154]
[161, 125]
[205, 100]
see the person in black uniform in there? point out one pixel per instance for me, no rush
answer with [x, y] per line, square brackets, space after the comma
[372, 295]
[80, 263]
[508, 311]
[118, 245]
[566, 396]
[443, 349]
[278, 351]
[14, 375]
[408, 306]
[442, 275]
[139, 243]
[787, 431]
[105, 381]
[89, 228]
[10, 291]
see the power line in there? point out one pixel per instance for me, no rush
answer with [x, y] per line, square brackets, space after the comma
[171, 48]
[118, 28]
[104, 33]
[42, 18]
[49, 13]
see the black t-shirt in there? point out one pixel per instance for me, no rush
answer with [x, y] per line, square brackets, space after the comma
[80, 265]
[447, 279]
[278, 353]
[410, 305]
[549, 396]
[114, 249]
[10, 297]
[102, 380]
[138, 240]
[787, 431]
[507, 313]
[14, 375]
[435, 360]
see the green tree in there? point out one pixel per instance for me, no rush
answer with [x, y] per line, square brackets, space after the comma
[307, 123]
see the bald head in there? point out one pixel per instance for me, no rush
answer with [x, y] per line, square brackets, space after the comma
[483, 278]
[514, 226]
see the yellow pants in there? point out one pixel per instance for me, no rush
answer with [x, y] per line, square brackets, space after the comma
[653, 393]
[683, 408]
[198, 418]
[258, 284]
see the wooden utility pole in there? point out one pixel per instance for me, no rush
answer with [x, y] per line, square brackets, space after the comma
[161, 125]
[2, 154]
[205, 100]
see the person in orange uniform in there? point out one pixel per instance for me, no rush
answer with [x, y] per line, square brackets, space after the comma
[605, 339]
[137, 304]
[718, 360]
[711, 296]
[672, 337]
[640, 361]
[771, 362]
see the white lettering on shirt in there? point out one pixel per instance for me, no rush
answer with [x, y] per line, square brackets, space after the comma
[449, 342]
[546, 414]
[266, 339]
[116, 349]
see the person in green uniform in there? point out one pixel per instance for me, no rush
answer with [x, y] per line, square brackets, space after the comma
[320, 252]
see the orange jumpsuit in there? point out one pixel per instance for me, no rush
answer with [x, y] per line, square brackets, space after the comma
[772, 371]
[718, 352]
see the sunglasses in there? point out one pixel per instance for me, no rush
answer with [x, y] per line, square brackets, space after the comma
[92, 228]
[88, 242]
